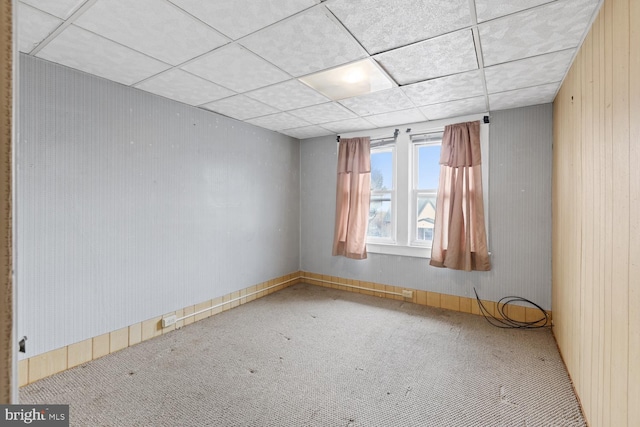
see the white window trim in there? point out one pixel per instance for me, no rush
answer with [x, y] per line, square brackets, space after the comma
[402, 245]
[410, 251]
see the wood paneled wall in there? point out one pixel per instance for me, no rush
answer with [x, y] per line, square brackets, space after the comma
[6, 263]
[596, 217]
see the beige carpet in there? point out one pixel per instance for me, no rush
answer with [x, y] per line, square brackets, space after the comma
[312, 356]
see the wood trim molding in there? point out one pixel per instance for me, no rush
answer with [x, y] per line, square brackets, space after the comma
[431, 299]
[72, 355]
[6, 258]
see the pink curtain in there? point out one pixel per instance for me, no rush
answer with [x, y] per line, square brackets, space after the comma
[459, 240]
[352, 198]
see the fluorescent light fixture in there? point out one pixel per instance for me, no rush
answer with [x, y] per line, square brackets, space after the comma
[358, 78]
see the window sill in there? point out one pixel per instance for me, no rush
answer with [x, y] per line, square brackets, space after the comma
[389, 249]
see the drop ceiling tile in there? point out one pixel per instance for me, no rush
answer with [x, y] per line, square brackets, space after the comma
[450, 88]
[491, 9]
[237, 18]
[555, 26]
[88, 52]
[349, 125]
[523, 97]
[236, 68]
[288, 95]
[323, 113]
[397, 118]
[34, 27]
[240, 107]
[278, 121]
[380, 102]
[528, 72]
[306, 43]
[184, 87]
[441, 56]
[382, 25]
[155, 28]
[307, 132]
[60, 8]
[455, 108]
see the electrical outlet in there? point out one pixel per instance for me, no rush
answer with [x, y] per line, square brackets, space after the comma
[407, 294]
[169, 320]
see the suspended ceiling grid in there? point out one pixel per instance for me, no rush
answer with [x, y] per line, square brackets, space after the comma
[243, 58]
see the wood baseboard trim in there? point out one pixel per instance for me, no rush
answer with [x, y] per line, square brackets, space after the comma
[426, 298]
[58, 360]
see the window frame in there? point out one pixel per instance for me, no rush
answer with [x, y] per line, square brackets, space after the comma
[403, 179]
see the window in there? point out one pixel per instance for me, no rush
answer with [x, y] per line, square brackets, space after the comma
[382, 205]
[426, 171]
[405, 171]
[404, 182]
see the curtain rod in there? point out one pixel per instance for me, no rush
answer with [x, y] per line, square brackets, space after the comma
[421, 127]
[396, 132]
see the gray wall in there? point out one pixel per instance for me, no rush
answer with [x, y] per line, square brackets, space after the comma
[520, 156]
[130, 205]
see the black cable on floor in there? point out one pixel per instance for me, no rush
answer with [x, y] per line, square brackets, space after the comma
[505, 322]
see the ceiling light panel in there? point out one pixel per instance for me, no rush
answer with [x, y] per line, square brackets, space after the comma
[552, 27]
[35, 26]
[397, 118]
[523, 97]
[323, 113]
[305, 43]
[528, 72]
[449, 54]
[349, 125]
[184, 87]
[155, 28]
[455, 108]
[382, 24]
[378, 102]
[491, 9]
[237, 18]
[307, 132]
[288, 95]
[346, 81]
[88, 52]
[60, 8]
[240, 107]
[443, 89]
[279, 121]
[237, 69]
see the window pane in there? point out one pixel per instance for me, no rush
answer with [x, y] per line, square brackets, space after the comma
[426, 214]
[428, 167]
[382, 170]
[380, 221]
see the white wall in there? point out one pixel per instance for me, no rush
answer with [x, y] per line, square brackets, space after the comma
[130, 206]
[520, 157]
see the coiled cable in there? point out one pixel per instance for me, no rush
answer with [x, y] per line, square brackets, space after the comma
[506, 322]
